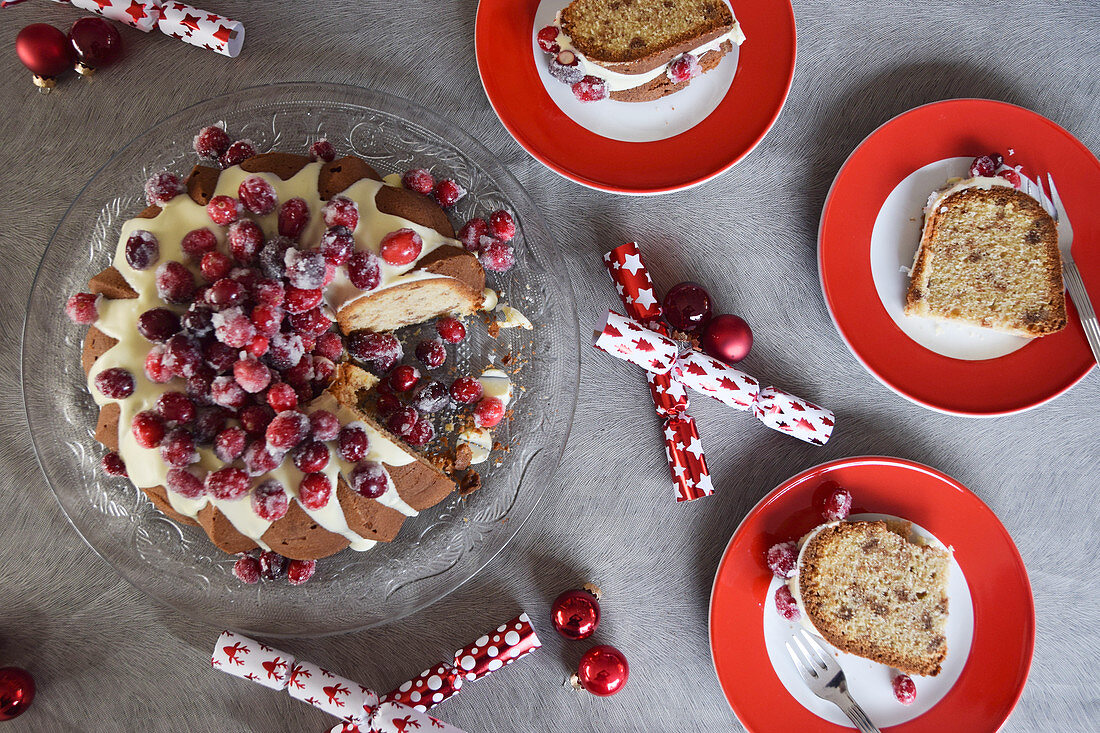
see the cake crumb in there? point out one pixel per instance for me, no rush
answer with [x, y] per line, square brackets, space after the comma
[469, 483]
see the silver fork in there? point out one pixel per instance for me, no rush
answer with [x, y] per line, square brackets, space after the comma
[826, 679]
[1074, 284]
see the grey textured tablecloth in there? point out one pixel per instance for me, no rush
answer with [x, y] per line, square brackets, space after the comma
[107, 658]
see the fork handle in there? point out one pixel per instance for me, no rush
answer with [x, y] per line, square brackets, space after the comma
[855, 713]
[1076, 287]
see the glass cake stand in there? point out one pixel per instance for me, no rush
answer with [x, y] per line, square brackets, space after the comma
[436, 551]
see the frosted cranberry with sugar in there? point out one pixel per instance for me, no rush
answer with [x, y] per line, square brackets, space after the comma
[300, 571]
[229, 444]
[497, 256]
[175, 408]
[305, 270]
[198, 386]
[155, 370]
[227, 483]
[311, 456]
[288, 429]
[590, 89]
[209, 421]
[257, 195]
[226, 392]
[218, 356]
[548, 39]
[148, 429]
[430, 397]
[245, 240]
[258, 346]
[371, 346]
[211, 142]
[267, 319]
[198, 242]
[566, 67]
[314, 491]
[259, 459]
[272, 565]
[785, 604]
[83, 308]
[178, 448]
[182, 355]
[237, 153]
[1012, 176]
[247, 569]
[312, 323]
[905, 690]
[466, 390]
[233, 328]
[340, 211]
[214, 266]
[175, 284]
[185, 483]
[336, 245]
[322, 150]
[162, 187]
[225, 293]
[113, 465]
[684, 68]
[471, 233]
[488, 412]
[401, 247]
[293, 217]
[421, 434]
[115, 383]
[330, 346]
[364, 270]
[404, 378]
[251, 375]
[270, 501]
[838, 505]
[198, 319]
[419, 180]
[431, 353]
[369, 479]
[323, 425]
[223, 210]
[323, 370]
[450, 329]
[502, 226]
[353, 443]
[448, 192]
[142, 249]
[282, 397]
[268, 292]
[272, 258]
[286, 350]
[781, 558]
[402, 421]
[983, 166]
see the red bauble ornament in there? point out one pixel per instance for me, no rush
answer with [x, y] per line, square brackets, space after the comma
[687, 306]
[96, 43]
[576, 613]
[16, 692]
[727, 338]
[602, 671]
[45, 51]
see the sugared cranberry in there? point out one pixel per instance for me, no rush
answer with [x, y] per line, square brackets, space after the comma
[566, 67]
[548, 39]
[155, 370]
[448, 192]
[369, 479]
[182, 355]
[211, 142]
[225, 293]
[785, 604]
[245, 240]
[215, 266]
[421, 434]
[374, 347]
[230, 444]
[227, 483]
[175, 284]
[322, 150]
[353, 443]
[219, 356]
[293, 217]
[471, 233]
[258, 346]
[687, 306]
[238, 152]
[256, 417]
[312, 323]
[330, 346]
[142, 250]
[268, 292]
[684, 68]
[247, 569]
[161, 188]
[233, 328]
[251, 375]
[997, 159]
[223, 210]
[401, 247]
[466, 390]
[336, 245]
[323, 370]
[300, 571]
[387, 404]
[185, 483]
[340, 211]
[226, 392]
[208, 423]
[272, 565]
[272, 258]
[590, 89]
[488, 412]
[324, 425]
[431, 397]
[288, 429]
[404, 378]
[198, 319]
[259, 459]
[402, 421]
[178, 448]
[198, 386]
[450, 329]
[502, 226]
[286, 350]
[198, 242]
[838, 505]
[364, 270]
[419, 180]
[1012, 176]
[905, 691]
[314, 491]
[158, 324]
[267, 319]
[305, 270]
[311, 456]
[257, 195]
[497, 256]
[83, 308]
[982, 166]
[269, 500]
[115, 383]
[282, 397]
[113, 465]
[782, 558]
[175, 408]
[431, 353]
[148, 429]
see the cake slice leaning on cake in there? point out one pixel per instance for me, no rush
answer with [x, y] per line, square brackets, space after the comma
[988, 257]
[640, 50]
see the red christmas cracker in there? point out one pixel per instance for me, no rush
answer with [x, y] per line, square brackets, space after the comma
[140, 14]
[357, 706]
[689, 475]
[489, 652]
[631, 341]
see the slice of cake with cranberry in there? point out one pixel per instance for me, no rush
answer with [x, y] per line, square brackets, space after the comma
[988, 256]
[637, 50]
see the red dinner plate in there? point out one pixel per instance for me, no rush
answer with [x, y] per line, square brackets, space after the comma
[1038, 372]
[505, 60]
[1004, 616]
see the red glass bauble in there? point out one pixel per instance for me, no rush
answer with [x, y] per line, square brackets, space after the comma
[45, 51]
[727, 338]
[602, 670]
[687, 306]
[16, 692]
[96, 43]
[575, 614]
